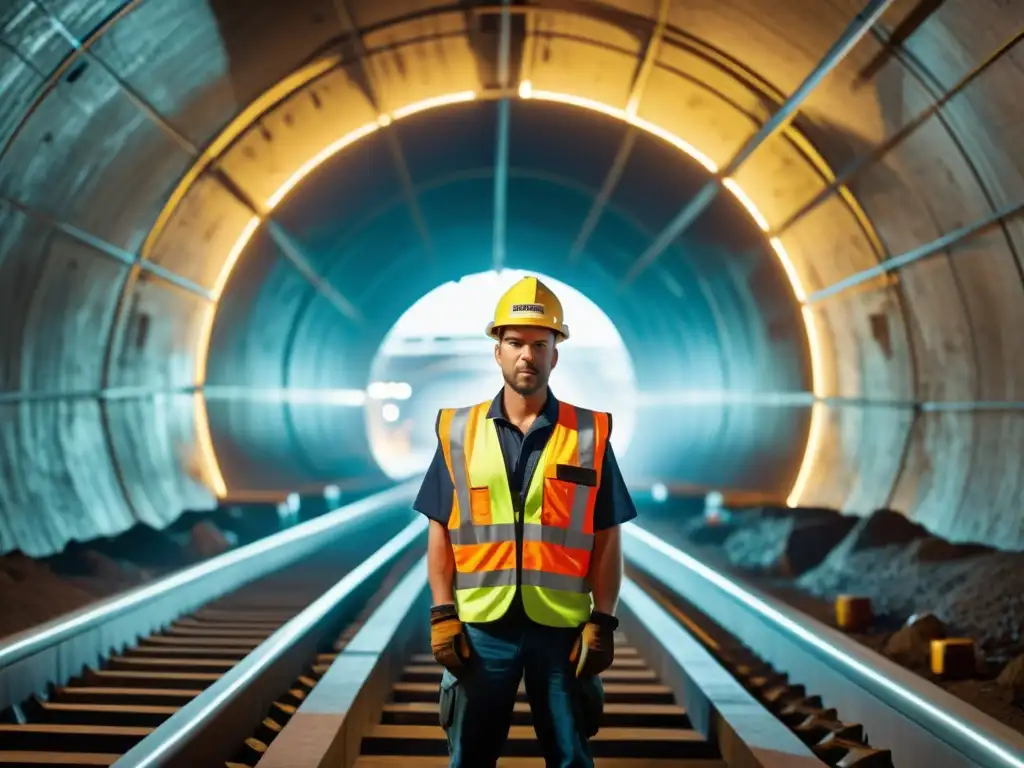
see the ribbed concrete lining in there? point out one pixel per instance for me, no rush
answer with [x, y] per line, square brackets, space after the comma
[99, 148]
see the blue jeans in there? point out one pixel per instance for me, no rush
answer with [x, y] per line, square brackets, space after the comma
[481, 700]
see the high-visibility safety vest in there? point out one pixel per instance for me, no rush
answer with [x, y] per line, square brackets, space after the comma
[549, 558]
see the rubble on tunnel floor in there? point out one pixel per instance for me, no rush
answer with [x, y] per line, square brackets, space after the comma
[808, 557]
[35, 591]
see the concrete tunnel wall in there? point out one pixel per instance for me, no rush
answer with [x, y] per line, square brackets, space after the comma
[917, 370]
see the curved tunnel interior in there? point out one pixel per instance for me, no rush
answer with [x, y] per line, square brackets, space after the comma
[709, 340]
[212, 213]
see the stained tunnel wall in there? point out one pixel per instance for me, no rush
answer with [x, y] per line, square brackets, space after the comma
[922, 367]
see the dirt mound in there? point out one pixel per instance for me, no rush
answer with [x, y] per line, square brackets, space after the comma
[976, 591]
[34, 592]
[786, 546]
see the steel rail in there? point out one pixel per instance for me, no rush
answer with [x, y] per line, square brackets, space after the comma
[919, 722]
[204, 726]
[719, 707]
[56, 651]
[330, 726]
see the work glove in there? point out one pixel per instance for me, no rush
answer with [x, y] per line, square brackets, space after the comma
[448, 641]
[594, 649]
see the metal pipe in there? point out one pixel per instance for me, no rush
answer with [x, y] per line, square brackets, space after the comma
[611, 181]
[290, 248]
[860, 164]
[394, 145]
[921, 252]
[113, 393]
[912, 22]
[502, 149]
[108, 249]
[147, 109]
[622, 155]
[293, 252]
[859, 27]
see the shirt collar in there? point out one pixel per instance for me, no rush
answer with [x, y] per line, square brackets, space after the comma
[547, 417]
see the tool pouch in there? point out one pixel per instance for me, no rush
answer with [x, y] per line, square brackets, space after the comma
[591, 703]
[448, 697]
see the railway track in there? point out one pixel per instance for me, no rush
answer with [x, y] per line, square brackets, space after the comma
[643, 726]
[98, 716]
[107, 683]
[283, 657]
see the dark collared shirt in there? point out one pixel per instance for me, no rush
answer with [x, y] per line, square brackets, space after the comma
[612, 507]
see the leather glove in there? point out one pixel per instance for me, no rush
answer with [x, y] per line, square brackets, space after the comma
[594, 650]
[448, 641]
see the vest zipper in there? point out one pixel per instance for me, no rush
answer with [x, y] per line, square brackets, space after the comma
[519, 511]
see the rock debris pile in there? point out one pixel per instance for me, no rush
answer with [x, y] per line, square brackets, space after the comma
[921, 587]
[33, 591]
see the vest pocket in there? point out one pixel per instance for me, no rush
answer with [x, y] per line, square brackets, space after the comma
[557, 507]
[560, 492]
[480, 505]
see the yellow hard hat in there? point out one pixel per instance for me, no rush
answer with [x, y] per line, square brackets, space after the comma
[529, 302]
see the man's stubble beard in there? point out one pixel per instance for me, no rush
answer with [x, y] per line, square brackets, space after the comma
[540, 383]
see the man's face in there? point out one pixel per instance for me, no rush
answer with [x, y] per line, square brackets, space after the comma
[526, 356]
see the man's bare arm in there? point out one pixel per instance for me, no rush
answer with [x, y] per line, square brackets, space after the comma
[440, 564]
[606, 569]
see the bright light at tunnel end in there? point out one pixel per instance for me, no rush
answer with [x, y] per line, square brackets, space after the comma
[208, 460]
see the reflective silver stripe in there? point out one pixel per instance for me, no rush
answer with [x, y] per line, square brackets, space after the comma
[477, 579]
[483, 534]
[496, 532]
[585, 443]
[556, 581]
[563, 537]
[507, 578]
[458, 452]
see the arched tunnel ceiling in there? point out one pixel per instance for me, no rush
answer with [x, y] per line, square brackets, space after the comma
[164, 129]
[711, 335]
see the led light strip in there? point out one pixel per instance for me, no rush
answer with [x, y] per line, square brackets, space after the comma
[208, 458]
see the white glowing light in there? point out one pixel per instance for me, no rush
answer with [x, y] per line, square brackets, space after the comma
[294, 395]
[446, 327]
[390, 413]
[389, 390]
[659, 492]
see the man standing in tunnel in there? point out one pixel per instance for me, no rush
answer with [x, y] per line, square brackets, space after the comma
[525, 499]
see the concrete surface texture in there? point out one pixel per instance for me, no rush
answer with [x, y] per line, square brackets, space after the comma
[142, 143]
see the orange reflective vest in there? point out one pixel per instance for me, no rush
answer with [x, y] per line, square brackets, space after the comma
[542, 544]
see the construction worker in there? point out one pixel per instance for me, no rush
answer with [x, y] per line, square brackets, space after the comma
[525, 500]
